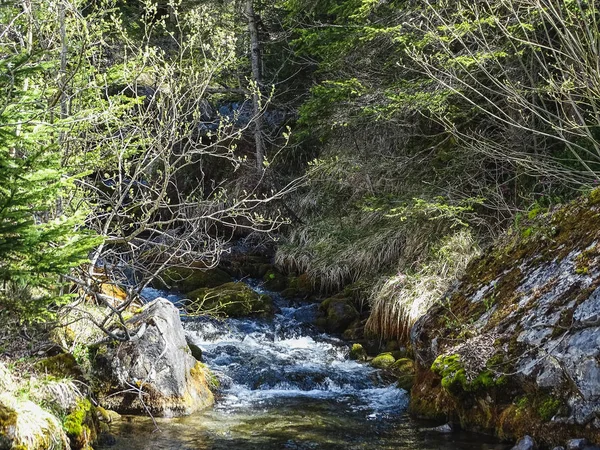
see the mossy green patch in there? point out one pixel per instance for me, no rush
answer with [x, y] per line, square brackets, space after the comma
[404, 369]
[383, 361]
[548, 408]
[358, 353]
[455, 380]
[594, 196]
[63, 365]
[230, 299]
[81, 424]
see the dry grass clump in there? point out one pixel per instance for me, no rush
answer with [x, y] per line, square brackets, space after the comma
[335, 252]
[34, 426]
[398, 302]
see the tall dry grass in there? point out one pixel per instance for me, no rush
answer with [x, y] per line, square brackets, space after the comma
[397, 302]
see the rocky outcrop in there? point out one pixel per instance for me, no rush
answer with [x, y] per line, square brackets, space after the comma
[514, 348]
[231, 299]
[155, 373]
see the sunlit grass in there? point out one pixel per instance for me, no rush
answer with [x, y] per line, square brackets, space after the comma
[399, 301]
[37, 403]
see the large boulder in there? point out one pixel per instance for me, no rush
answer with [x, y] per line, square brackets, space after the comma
[187, 279]
[155, 371]
[231, 299]
[514, 348]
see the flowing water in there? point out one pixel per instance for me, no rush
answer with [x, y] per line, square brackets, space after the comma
[285, 385]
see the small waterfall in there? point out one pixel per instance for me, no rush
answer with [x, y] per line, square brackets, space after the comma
[263, 362]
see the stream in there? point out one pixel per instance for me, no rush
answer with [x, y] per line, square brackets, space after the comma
[286, 385]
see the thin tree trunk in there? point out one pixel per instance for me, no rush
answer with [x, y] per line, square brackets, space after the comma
[257, 79]
[63, 62]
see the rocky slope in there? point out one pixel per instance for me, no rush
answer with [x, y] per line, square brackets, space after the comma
[514, 347]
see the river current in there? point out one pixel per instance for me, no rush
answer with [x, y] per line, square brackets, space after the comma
[286, 385]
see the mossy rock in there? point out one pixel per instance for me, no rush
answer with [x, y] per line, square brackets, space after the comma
[355, 332]
[230, 299]
[358, 353]
[336, 314]
[81, 425]
[404, 369]
[62, 365]
[454, 379]
[383, 361]
[187, 279]
[275, 281]
[107, 415]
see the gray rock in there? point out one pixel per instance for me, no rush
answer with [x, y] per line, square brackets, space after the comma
[558, 448]
[527, 443]
[446, 428]
[588, 313]
[577, 444]
[155, 372]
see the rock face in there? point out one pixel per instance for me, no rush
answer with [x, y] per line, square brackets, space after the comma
[155, 373]
[514, 348]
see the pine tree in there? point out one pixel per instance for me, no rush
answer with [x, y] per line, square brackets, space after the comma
[38, 242]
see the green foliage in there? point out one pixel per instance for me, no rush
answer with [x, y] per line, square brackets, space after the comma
[548, 408]
[39, 240]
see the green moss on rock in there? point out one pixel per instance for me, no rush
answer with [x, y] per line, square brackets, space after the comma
[336, 314]
[548, 408]
[62, 365]
[383, 361]
[187, 279]
[454, 376]
[81, 425]
[230, 299]
[358, 353]
[404, 369]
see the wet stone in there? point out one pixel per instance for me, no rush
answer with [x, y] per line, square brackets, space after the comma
[527, 443]
[577, 444]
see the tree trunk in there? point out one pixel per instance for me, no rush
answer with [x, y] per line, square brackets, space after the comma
[257, 81]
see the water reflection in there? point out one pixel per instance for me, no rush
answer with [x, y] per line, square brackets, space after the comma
[314, 424]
